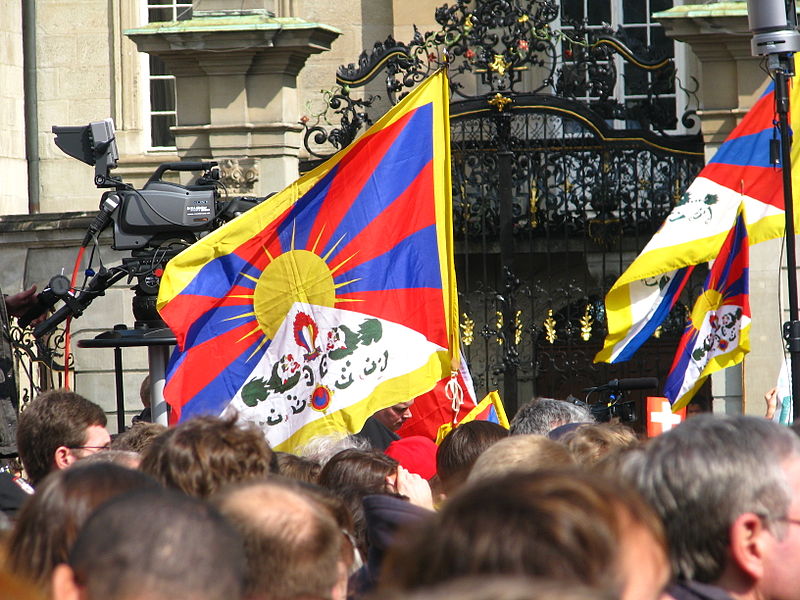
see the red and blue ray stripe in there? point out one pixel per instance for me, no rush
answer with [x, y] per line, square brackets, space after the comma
[742, 163]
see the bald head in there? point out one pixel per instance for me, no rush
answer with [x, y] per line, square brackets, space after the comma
[292, 544]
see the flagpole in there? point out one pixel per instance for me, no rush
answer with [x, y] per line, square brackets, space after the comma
[782, 68]
[776, 36]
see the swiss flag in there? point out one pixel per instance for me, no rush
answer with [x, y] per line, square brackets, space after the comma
[660, 417]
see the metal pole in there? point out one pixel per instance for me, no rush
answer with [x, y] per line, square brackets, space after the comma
[120, 389]
[782, 65]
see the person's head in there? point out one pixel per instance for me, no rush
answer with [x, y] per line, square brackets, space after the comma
[504, 587]
[138, 437]
[728, 490]
[541, 415]
[368, 471]
[144, 391]
[520, 454]
[56, 429]
[321, 448]
[153, 545]
[297, 467]
[202, 454]
[49, 521]
[394, 416]
[565, 525]
[592, 442]
[354, 474]
[416, 453]
[123, 458]
[292, 545]
[461, 448]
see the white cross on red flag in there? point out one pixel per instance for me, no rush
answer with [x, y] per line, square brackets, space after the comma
[660, 417]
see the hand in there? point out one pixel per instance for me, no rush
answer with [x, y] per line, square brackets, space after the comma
[415, 488]
[771, 398]
[18, 304]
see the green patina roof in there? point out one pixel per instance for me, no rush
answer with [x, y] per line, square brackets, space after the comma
[232, 23]
[713, 9]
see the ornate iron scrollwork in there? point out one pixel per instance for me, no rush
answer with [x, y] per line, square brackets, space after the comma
[496, 49]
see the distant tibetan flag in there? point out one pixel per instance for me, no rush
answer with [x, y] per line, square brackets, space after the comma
[660, 417]
[489, 409]
[717, 335]
[331, 300]
[740, 172]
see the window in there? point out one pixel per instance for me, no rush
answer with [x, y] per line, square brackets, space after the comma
[635, 19]
[162, 85]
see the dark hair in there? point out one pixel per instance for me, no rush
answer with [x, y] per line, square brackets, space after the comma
[53, 419]
[49, 521]
[158, 545]
[461, 448]
[352, 474]
[292, 544]
[361, 470]
[137, 439]
[203, 454]
[564, 525]
[297, 467]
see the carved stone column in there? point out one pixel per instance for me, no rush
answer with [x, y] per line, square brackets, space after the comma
[236, 77]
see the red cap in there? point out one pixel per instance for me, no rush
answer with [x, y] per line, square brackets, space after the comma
[415, 453]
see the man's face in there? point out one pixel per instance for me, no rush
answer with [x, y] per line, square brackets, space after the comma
[96, 440]
[394, 416]
[781, 577]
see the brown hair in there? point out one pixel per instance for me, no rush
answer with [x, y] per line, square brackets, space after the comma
[291, 544]
[160, 545]
[565, 525]
[140, 435]
[55, 418]
[202, 454]
[297, 467]
[362, 470]
[49, 521]
[460, 449]
[592, 442]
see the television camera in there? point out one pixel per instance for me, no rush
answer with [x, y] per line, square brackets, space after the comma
[154, 223]
[613, 404]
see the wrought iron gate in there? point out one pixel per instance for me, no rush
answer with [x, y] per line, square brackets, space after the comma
[554, 192]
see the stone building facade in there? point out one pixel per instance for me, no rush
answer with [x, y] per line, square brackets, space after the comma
[71, 62]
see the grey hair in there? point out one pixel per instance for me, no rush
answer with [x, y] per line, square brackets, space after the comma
[322, 447]
[702, 475]
[542, 415]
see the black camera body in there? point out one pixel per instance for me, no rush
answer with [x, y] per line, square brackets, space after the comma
[155, 223]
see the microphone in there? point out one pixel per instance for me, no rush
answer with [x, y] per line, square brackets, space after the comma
[107, 207]
[619, 385]
[57, 289]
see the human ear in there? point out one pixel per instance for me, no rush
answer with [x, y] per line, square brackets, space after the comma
[63, 584]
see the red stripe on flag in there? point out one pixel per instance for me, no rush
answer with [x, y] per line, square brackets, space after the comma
[762, 183]
[352, 173]
[408, 307]
[411, 211]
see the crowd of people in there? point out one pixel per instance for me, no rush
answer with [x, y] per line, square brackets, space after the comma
[557, 507]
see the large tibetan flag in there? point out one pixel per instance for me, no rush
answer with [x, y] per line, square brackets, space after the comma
[717, 334]
[334, 298]
[740, 172]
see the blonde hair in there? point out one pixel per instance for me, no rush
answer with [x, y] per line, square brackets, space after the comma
[520, 454]
[592, 442]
